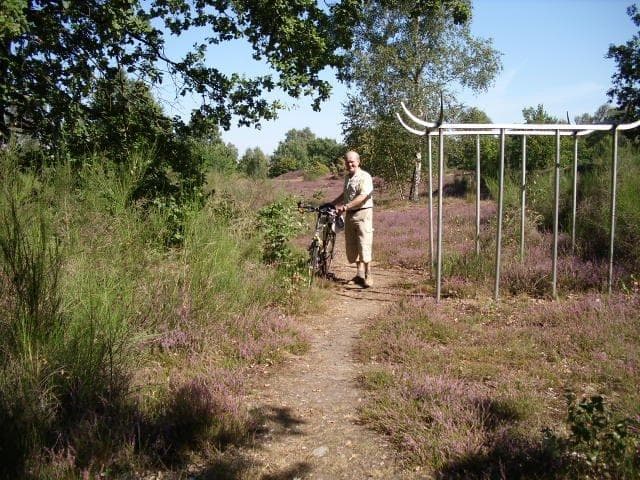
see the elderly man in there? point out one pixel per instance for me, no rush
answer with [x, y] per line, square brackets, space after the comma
[356, 200]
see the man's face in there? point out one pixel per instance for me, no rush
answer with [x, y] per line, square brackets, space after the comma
[351, 163]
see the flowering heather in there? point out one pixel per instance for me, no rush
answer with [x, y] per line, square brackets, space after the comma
[174, 339]
[402, 235]
[263, 335]
[463, 388]
[323, 189]
[200, 412]
[460, 419]
[533, 275]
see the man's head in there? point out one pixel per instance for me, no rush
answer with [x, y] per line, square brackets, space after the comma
[351, 162]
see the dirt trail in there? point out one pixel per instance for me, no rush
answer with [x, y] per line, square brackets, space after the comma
[311, 428]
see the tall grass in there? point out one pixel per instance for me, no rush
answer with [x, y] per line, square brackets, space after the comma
[120, 354]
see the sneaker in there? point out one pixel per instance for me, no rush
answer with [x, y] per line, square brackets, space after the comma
[368, 282]
[357, 280]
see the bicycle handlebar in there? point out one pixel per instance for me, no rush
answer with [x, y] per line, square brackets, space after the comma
[325, 208]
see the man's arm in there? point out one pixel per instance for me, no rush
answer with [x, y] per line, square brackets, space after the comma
[355, 203]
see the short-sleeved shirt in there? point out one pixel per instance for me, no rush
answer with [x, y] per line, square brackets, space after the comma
[360, 183]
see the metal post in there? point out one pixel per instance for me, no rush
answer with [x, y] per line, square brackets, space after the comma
[440, 193]
[556, 207]
[523, 194]
[431, 256]
[496, 288]
[614, 179]
[574, 200]
[477, 194]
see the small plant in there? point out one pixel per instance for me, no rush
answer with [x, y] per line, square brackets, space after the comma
[279, 223]
[598, 446]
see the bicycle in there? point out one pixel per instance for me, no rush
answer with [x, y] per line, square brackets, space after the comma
[324, 238]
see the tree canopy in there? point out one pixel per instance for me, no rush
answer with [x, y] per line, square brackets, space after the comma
[302, 150]
[398, 55]
[254, 163]
[53, 54]
[626, 80]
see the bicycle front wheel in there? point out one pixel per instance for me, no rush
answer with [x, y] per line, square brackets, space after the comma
[328, 253]
[314, 259]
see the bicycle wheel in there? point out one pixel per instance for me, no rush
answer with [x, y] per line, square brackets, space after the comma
[327, 254]
[314, 259]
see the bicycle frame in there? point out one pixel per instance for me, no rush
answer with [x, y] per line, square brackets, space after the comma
[323, 241]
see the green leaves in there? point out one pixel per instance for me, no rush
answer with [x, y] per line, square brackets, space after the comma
[301, 150]
[279, 222]
[52, 54]
[410, 52]
[12, 18]
[626, 80]
[598, 446]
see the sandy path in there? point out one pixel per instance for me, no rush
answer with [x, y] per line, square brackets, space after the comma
[310, 407]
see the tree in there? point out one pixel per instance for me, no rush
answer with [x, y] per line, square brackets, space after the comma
[626, 80]
[205, 140]
[302, 150]
[326, 151]
[52, 54]
[541, 150]
[597, 146]
[292, 153]
[462, 150]
[122, 115]
[254, 163]
[400, 55]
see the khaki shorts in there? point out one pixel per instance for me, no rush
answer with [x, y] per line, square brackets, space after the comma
[358, 235]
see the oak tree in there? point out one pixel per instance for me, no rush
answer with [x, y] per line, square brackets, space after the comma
[54, 52]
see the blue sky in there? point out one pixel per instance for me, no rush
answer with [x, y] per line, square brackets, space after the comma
[553, 54]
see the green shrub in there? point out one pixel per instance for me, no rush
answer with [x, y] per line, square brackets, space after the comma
[315, 170]
[594, 210]
[89, 292]
[64, 345]
[279, 222]
[598, 446]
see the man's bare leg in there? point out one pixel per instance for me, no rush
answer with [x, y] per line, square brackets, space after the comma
[367, 275]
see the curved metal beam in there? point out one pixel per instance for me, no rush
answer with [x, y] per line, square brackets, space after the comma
[416, 119]
[428, 125]
[496, 132]
[628, 126]
[528, 126]
[408, 128]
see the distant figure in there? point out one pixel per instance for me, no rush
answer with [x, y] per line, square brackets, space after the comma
[356, 200]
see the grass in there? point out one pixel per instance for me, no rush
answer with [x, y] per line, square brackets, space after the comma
[465, 389]
[121, 355]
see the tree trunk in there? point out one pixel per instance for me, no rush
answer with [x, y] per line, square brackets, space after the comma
[417, 172]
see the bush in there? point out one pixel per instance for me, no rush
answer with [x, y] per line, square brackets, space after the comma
[597, 446]
[279, 222]
[62, 362]
[89, 295]
[315, 171]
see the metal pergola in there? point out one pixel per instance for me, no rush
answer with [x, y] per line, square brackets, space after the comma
[441, 129]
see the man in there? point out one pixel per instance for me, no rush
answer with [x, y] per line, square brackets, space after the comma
[356, 200]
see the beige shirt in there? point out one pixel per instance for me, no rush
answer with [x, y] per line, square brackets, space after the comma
[360, 183]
